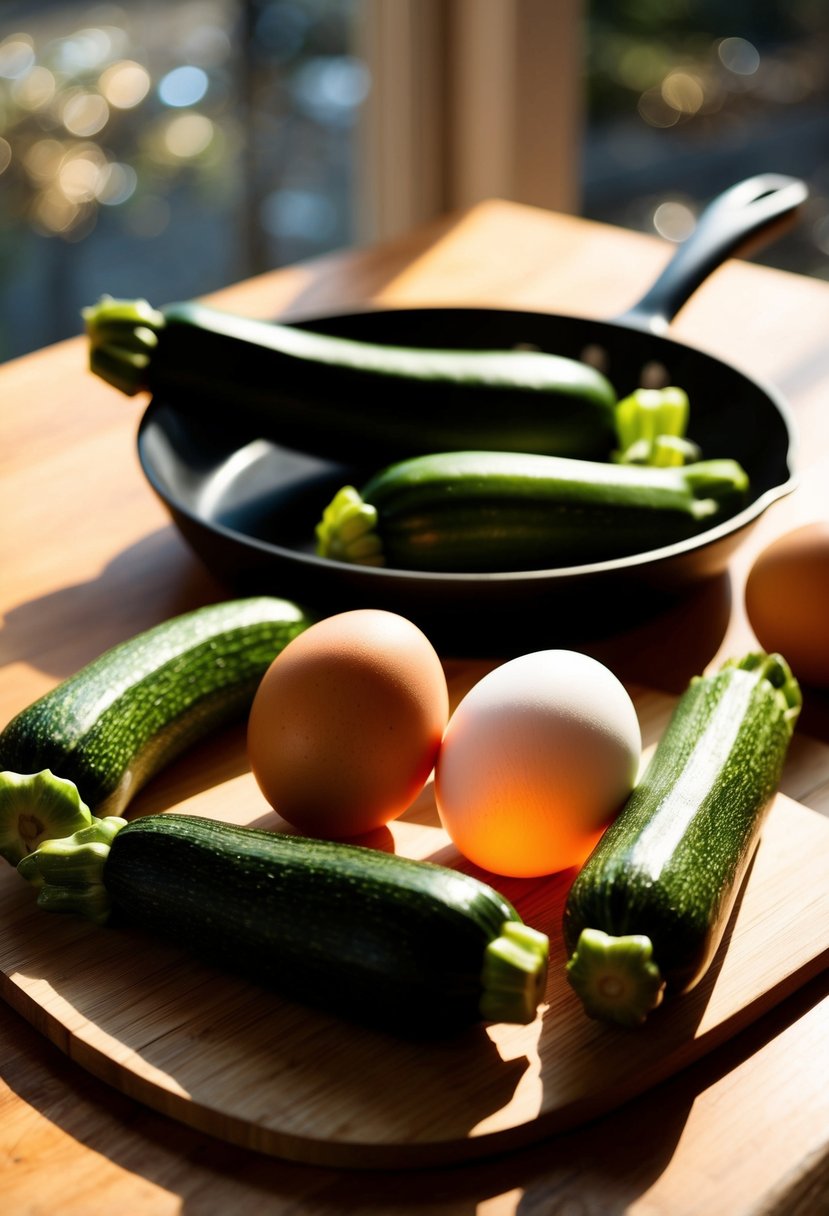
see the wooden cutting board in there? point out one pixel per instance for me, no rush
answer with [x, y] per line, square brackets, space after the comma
[241, 1064]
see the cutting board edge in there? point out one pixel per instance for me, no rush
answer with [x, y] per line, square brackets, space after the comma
[352, 1155]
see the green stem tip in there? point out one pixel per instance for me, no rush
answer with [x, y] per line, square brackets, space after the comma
[650, 428]
[35, 807]
[775, 669]
[68, 872]
[514, 974]
[122, 337]
[616, 977]
[347, 531]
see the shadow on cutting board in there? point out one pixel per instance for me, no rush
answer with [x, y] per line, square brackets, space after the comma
[600, 1168]
[213, 1049]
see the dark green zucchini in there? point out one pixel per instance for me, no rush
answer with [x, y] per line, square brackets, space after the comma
[111, 726]
[405, 945]
[347, 400]
[485, 511]
[649, 908]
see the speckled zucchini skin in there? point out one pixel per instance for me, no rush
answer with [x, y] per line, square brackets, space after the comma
[490, 511]
[670, 866]
[350, 400]
[114, 724]
[366, 934]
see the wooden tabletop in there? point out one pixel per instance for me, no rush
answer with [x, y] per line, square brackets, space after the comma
[88, 557]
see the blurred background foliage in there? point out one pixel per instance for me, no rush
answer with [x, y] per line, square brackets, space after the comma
[184, 145]
[685, 97]
[187, 145]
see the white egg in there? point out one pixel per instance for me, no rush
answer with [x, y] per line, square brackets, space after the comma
[536, 760]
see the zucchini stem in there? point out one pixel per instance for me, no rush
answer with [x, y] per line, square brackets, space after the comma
[616, 977]
[122, 337]
[347, 531]
[35, 807]
[775, 669]
[68, 872]
[651, 425]
[514, 974]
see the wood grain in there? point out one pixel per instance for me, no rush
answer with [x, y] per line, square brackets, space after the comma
[87, 557]
[245, 1066]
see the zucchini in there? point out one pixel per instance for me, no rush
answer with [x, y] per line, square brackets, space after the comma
[490, 511]
[406, 945]
[648, 910]
[348, 400]
[110, 727]
[651, 425]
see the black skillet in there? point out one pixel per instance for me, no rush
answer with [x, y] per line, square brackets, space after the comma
[248, 506]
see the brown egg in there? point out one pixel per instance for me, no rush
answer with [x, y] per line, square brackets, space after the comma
[346, 724]
[787, 600]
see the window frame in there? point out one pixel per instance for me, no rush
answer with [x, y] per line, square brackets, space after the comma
[470, 99]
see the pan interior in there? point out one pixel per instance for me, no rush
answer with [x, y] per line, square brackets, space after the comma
[246, 503]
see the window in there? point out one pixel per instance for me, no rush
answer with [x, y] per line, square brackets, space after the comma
[635, 112]
[166, 150]
[685, 97]
[471, 99]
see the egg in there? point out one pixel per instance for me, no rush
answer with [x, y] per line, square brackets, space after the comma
[787, 600]
[536, 760]
[346, 723]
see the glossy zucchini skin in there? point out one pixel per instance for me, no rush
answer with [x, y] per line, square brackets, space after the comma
[350, 401]
[361, 933]
[492, 511]
[115, 723]
[668, 870]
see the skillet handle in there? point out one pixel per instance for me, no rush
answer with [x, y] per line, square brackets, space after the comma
[748, 214]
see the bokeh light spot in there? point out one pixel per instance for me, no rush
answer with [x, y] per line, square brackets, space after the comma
[329, 88]
[53, 212]
[124, 84]
[17, 56]
[85, 50]
[739, 56]
[34, 90]
[188, 135]
[184, 86]
[84, 113]
[683, 92]
[79, 178]
[43, 158]
[674, 221]
[299, 214]
[116, 184]
[655, 111]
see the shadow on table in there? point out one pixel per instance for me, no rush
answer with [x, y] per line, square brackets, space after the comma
[598, 1170]
[148, 582]
[666, 649]
[159, 577]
